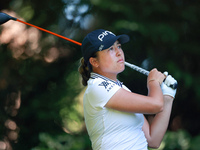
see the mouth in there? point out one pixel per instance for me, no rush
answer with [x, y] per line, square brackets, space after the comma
[121, 61]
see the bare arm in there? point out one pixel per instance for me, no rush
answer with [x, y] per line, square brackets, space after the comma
[154, 103]
[127, 101]
[156, 128]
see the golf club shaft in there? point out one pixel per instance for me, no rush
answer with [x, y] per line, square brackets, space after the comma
[60, 36]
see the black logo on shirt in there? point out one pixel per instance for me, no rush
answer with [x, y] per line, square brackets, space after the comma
[108, 86]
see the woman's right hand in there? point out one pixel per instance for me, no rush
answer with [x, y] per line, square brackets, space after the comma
[155, 75]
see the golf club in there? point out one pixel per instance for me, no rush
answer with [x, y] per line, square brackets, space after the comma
[5, 17]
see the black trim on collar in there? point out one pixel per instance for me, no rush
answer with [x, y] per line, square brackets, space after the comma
[96, 75]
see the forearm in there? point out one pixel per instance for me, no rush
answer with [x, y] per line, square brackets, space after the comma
[155, 92]
[159, 123]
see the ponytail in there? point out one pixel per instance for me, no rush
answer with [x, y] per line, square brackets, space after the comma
[84, 70]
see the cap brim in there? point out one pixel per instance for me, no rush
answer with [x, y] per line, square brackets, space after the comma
[121, 38]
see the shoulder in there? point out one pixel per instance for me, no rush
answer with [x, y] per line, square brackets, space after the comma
[99, 85]
[99, 91]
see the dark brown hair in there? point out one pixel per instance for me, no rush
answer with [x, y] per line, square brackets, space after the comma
[85, 69]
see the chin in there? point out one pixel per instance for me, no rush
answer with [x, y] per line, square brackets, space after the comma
[122, 69]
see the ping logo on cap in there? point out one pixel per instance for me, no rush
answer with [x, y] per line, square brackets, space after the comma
[103, 34]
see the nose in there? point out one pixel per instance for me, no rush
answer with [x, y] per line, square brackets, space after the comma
[118, 51]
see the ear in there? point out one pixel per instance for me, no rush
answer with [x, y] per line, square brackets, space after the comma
[93, 61]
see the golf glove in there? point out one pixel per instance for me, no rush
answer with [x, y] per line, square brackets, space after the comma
[169, 80]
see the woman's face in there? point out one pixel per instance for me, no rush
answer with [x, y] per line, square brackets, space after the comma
[111, 60]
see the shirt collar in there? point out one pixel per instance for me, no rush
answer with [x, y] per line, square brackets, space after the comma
[96, 75]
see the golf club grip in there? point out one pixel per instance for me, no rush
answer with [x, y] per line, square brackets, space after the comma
[138, 69]
[145, 72]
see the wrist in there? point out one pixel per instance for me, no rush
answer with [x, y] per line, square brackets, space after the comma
[168, 98]
[151, 80]
[153, 83]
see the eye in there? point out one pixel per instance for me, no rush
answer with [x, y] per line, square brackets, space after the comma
[111, 48]
[119, 46]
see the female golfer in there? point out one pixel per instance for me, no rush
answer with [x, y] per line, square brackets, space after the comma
[114, 115]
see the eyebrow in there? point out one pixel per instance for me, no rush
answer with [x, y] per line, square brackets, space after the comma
[118, 42]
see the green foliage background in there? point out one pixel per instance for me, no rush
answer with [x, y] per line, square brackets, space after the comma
[41, 99]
